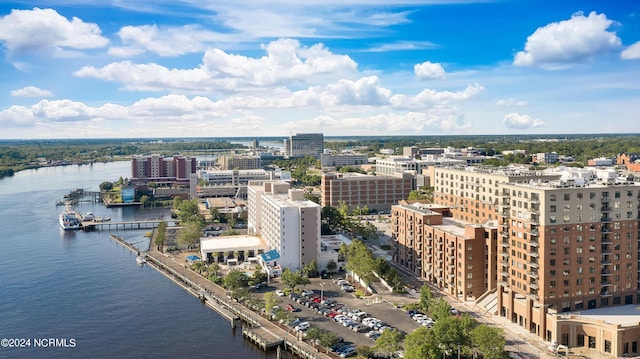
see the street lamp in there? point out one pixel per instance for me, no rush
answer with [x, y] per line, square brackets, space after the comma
[321, 291]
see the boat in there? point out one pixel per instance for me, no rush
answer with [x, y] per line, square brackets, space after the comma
[69, 219]
[141, 259]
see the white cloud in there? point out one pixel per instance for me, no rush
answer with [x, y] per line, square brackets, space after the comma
[428, 70]
[436, 120]
[402, 46]
[31, 30]
[17, 116]
[169, 41]
[286, 62]
[562, 44]
[520, 121]
[632, 52]
[429, 97]
[510, 102]
[31, 91]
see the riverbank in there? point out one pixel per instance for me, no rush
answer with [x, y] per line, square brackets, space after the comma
[262, 332]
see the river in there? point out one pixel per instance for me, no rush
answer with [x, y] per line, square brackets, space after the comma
[86, 292]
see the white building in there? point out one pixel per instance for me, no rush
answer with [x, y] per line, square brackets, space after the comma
[285, 221]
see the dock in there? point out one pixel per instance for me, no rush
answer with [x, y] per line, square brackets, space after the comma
[262, 332]
[144, 224]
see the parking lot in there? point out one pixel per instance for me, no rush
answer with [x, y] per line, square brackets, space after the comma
[384, 310]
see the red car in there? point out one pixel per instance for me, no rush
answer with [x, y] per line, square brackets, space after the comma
[291, 308]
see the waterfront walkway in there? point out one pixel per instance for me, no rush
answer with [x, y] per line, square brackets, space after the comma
[262, 331]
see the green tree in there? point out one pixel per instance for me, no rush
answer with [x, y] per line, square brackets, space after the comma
[332, 266]
[293, 279]
[329, 339]
[364, 351]
[422, 344]
[360, 260]
[235, 279]
[189, 234]
[310, 269]
[439, 309]
[389, 341]
[489, 340]
[416, 195]
[215, 214]
[426, 298]
[106, 186]
[214, 267]
[189, 211]
[161, 235]
[270, 301]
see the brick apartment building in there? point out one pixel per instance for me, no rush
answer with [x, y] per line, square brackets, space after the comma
[564, 246]
[356, 189]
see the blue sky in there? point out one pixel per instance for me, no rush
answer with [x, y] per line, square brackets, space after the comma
[198, 68]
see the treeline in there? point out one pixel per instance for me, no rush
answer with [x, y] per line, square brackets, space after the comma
[18, 155]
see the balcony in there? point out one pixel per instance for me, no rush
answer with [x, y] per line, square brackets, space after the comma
[605, 293]
[504, 274]
[533, 254]
[533, 286]
[533, 275]
[605, 284]
[605, 209]
[534, 265]
[534, 232]
[504, 254]
[534, 243]
[506, 264]
[504, 234]
[504, 244]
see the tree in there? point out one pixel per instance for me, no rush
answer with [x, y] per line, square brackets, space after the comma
[214, 267]
[426, 298]
[416, 195]
[144, 199]
[489, 340]
[235, 279]
[359, 259]
[293, 279]
[451, 332]
[311, 269]
[329, 339]
[231, 220]
[332, 266]
[106, 186]
[439, 309]
[421, 344]
[389, 341]
[364, 351]
[161, 235]
[270, 301]
[189, 234]
[189, 211]
[215, 214]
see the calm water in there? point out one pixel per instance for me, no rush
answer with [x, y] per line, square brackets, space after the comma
[82, 286]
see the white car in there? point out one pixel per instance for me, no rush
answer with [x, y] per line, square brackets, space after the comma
[279, 293]
[302, 327]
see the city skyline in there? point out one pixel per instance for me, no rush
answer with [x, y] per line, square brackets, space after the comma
[412, 67]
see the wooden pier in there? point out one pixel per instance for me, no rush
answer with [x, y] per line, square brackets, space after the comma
[146, 224]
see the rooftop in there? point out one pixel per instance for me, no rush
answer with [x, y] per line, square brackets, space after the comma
[624, 315]
[227, 243]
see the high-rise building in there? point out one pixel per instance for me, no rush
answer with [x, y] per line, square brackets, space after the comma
[304, 144]
[240, 162]
[286, 221]
[359, 190]
[567, 242]
[156, 168]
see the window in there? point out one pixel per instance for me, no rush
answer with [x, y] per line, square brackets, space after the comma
[567, 196]
[552, 209]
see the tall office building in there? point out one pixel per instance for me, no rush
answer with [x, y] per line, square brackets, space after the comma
[567, 248]
[304, 144]
[285, 220]
[156, 168]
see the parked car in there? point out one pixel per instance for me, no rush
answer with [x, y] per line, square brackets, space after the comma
[307, 293]
[349, 351]
[279, 293]
[302, 327]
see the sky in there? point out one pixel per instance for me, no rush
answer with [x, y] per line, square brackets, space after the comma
[254, 68]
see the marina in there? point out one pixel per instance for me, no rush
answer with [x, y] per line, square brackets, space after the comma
[262, 332]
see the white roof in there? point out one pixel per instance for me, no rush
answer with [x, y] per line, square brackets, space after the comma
[625, 315]
[230, 243]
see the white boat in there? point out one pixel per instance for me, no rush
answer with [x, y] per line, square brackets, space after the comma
[141, 259]
[69, 219]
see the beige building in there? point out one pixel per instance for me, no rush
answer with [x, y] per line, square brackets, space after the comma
[567, 243]
[240, 162]
[359, 190]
